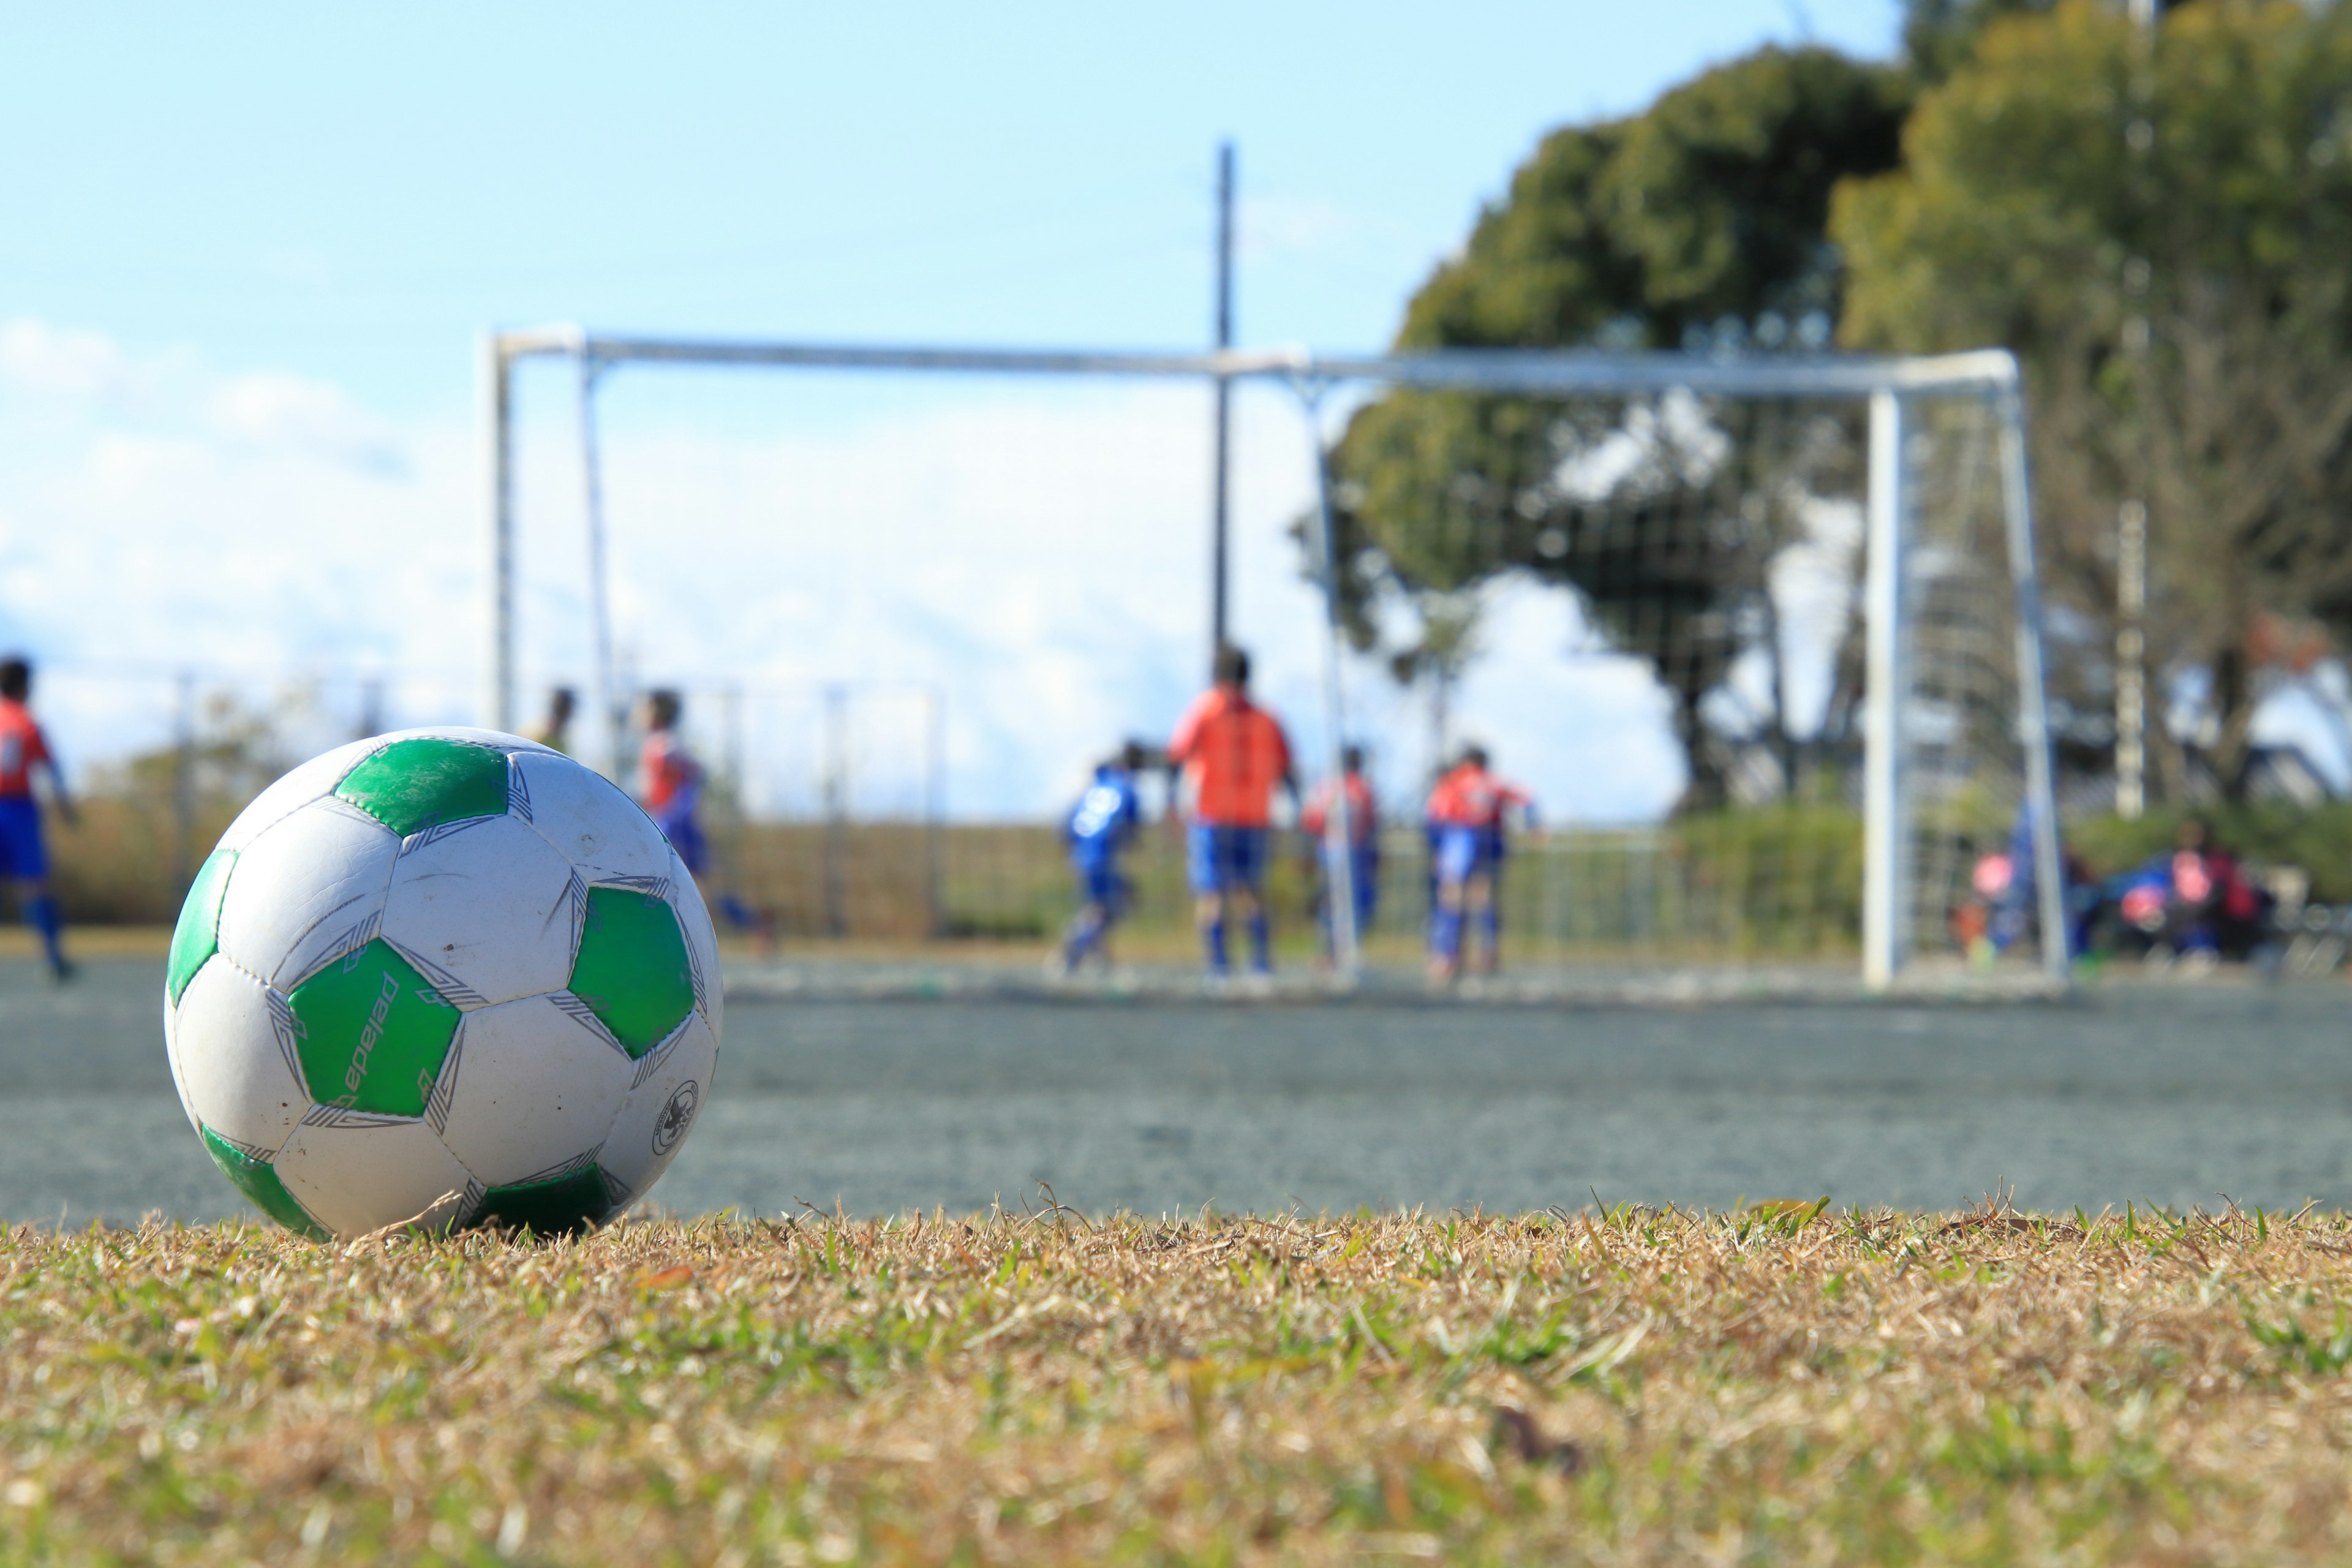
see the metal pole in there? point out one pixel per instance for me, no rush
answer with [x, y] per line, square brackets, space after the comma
[935, 812]
[2034, 715]
[1886, 827]
[2131, 660]
[1219, 630]
[2131, 517]
[600, 602]
[836, 811]
[497, 395]
[1339, 860]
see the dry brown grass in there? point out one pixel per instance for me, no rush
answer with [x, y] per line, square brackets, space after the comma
[1622, 1386]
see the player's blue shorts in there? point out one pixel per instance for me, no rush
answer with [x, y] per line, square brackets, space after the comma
[1100, 883]
[22, 853]
[685, 836]
[1217, 858]
[1460, 853]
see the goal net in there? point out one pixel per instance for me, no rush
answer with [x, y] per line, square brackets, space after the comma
[1758, 638]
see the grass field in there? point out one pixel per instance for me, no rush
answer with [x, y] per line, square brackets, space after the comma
[1781, 1383]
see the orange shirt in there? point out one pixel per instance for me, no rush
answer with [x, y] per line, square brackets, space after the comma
[668, 773]
[21, 745]
[1470, 796]
[1233, 754]
[1362, 814]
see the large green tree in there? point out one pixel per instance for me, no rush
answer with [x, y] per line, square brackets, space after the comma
[1700, 223]
[2161, 224]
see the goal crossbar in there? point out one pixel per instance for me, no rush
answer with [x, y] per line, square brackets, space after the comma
[1887, 383]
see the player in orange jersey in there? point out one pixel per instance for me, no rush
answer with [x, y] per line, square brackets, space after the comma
[1363, 840]
[1466, 812]
[1233, 755]
[671, 781]
[24, 858]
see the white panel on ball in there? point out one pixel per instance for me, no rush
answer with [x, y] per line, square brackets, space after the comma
[492, 904]
[702, 940]
[359, 1177]
[532, 1091]
[587, 817]
[311, 781]
[231, 1059]
[172, 1054]
[662, 1109]
[303, 888]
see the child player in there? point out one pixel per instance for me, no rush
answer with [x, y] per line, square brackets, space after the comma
[24, 858]
[1465, 820]
[1233, 754]
[1363, 841]
[672, 781]
[1099, 829]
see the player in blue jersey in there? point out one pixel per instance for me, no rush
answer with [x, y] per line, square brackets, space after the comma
[1099, 828]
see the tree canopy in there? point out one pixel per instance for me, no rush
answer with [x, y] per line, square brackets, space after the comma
[2162, 228]
[1699, 223]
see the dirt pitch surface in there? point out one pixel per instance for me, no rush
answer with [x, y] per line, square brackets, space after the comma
[866, 1090]
[1783, 1384]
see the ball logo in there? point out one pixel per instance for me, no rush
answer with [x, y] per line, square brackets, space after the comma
[675, 1117]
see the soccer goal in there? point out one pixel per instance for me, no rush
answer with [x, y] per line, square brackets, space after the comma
[1767, 627]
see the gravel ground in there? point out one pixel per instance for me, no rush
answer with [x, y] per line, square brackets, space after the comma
[2172, 1094]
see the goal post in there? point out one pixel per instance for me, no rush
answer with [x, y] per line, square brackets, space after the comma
[1910, 709]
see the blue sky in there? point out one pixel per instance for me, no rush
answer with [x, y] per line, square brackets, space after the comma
[348, 192]
[246, 251]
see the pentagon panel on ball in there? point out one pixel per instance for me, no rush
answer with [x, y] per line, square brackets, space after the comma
[371, 1033]
[634, 973]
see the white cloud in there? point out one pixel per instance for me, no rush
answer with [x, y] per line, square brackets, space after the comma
[1033, 552]
[290, 412]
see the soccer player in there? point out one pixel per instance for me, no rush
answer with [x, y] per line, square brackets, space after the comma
[24, 858]
[1363, 840]
[554, 731]
[1233, 754]
[672, 781]
[1466, 812]
[1098, 830]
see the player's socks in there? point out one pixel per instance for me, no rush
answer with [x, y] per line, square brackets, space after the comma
[1445, 935]
[1213, 935]
[1490, 932]
[41, 914]
[1259, 960]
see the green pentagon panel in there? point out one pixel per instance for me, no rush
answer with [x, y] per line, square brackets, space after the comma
[257, 1179]
[632, 971]
[557, 1207]
[371, 1034]
[414, 784]
[198, 936]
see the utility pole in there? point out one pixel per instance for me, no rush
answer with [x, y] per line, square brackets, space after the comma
[2131, 517]
[1221, 484]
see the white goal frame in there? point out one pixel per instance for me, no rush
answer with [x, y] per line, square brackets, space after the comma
[1890, 385]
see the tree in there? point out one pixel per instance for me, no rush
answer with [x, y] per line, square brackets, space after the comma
[1700, 223]
[2162, 227]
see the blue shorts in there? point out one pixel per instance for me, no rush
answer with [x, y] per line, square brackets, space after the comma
[22, 854]
[1217, 860]
[685, 836]
[1100, 883]
[1461, 853]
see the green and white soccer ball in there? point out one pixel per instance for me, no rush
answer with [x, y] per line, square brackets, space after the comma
[442, 977]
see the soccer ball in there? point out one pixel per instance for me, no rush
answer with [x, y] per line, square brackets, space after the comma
[442, 977]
